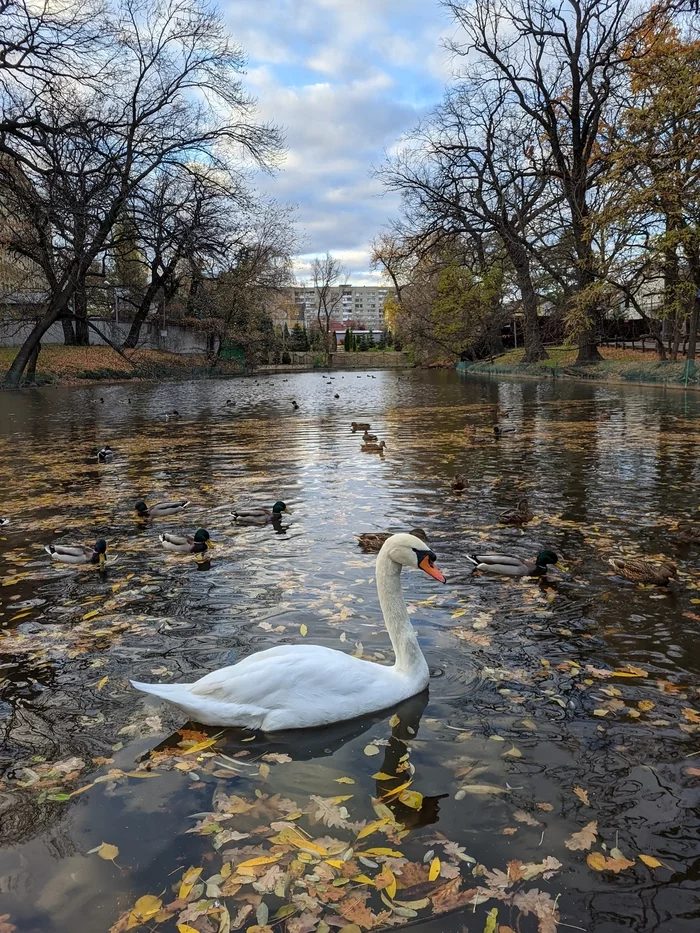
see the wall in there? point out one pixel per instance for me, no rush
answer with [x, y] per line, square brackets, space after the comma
[178, 339]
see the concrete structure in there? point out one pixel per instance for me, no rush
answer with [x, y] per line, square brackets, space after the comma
[360, 305]
[174, 339]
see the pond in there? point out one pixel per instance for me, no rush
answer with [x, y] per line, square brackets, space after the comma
[549, 780]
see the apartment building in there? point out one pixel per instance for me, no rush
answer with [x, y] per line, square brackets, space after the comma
[360, 305]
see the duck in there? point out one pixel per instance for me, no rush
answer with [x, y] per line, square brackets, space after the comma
[79, 554]
[459, 484]
[513, 566]
[604, 416]
[360, 425]
[295, 406]
[520, 515]
[499, 429]
[336, 395]
[369, 438]
[660, 573]
[105, 454]
[306, 686]
[4, 521]
[687, 533]
[374, 448]
[260, 516]
[186, 544]
[161, 509]
[172, 415]
[373, 540]
[230, 402]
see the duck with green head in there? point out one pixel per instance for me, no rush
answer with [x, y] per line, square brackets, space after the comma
[513, 566]
[161, 509]
[198, 543]
[260, 516]
[79, 554]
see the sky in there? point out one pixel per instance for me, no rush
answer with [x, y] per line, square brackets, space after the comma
[344, 79]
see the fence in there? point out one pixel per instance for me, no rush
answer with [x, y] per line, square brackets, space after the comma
[173, 338]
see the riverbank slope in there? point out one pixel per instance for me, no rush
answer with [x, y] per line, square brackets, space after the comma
[617, 366]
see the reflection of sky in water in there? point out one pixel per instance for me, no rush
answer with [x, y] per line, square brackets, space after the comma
[597, 487]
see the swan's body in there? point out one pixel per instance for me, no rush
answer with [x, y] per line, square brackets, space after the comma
[299, 686]
[162, 508]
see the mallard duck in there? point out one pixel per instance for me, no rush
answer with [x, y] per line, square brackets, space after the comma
[336, 395]
[162, 508]
[373, 541]
[172, 415]
[513, 566]
[360, 425]
[304, 686]
[186, 544]
[78, 554]
[459, 484]
[374, 448]
[499, 429]
[688, 533]
[4, 521]
[105, 454]
[645, 571]
[260, 516]
[369, 438]
[518, 516]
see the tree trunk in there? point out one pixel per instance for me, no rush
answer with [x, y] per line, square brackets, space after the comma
[82, 331]
[588, 347]
[534, 348]
[31, 366]
[692, 337]
[68, 332]
[132, 338]
[52, 313]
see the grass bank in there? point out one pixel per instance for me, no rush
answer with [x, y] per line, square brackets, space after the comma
[617, 366]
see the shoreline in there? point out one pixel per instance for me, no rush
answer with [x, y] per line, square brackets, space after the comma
[658, 375]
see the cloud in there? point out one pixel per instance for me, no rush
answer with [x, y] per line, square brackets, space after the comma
[345, 81]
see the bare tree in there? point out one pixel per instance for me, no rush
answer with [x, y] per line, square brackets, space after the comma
[328, 276]
[179, 99]
[562, 61]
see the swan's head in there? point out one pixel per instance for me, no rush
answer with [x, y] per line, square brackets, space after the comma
[410, 551]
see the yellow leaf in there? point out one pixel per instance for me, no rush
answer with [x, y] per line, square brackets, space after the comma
[691, 715]
[335, 862]
[144, 909]
[200, 746]
[185, 928]
[650, 861]
[341, 798]
[458, 613]
[391, 887]
[645, 705]
[141, 774]
[380, 776]
[596, 861]
[372, 828]
[108, 852]
[303, 630]
[412, 799]
[261, 860]
[264, 770]
[363, 879]
[396, 791]
[371, 750]
[344, 780]
[91, 615]
[601, 712]
[394, 721]
[434, 869]
[189, 879]
[491, 918]
[103, 682]
[382, 850]
[513, 753]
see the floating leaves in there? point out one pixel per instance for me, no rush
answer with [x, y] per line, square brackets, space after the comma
[599, 862]
[106, 851]
[584, 839]
[582, 796]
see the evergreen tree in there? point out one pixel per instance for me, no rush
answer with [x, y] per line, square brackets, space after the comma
[299, 340]
[370, 339]
[347, 342]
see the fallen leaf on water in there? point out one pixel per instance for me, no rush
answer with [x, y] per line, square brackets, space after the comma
[264, 770]
[108, 852]
[371, 750]
[189, 879]
[695, 772]
[583, 839]
[522, 817]
[303, 630]
[394, 721]
[598, 862]
[645, 705]
[691, 715]
[491, 919]
[102, 682]
[650, 861]
[412, 799]
[513, 753]
[346, 780]
[547, 807]
[380, 776]
[434, 870]
[582, 795]
[144, 909]
[372, 828]
[185, 928]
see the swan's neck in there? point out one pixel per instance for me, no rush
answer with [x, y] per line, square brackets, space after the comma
[409, 657]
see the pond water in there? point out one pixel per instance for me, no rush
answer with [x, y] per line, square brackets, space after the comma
[548, 781]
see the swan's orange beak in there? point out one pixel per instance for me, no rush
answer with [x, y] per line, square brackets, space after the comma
[431, 569]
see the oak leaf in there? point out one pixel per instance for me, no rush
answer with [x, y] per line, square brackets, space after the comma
[584, 839]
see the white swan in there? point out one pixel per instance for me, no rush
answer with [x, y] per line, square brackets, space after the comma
[298, 686]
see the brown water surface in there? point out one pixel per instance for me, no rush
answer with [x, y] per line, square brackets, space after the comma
[551, 710]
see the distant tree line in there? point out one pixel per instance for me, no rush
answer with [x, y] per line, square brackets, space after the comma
[127, 139]
[559, 178]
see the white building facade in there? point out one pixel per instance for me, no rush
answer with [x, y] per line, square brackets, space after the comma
[359, 305]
